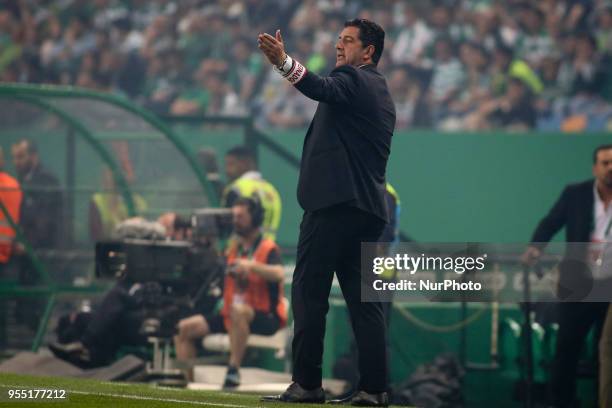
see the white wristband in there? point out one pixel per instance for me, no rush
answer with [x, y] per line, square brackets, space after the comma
[292, 70]
[285, 67]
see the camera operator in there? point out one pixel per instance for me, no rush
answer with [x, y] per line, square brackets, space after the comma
[252, 293]
[92, 339]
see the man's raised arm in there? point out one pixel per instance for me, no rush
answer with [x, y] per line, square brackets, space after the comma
[339, 87]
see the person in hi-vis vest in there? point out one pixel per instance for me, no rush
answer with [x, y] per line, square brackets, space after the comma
[244, 181]
[10, 196]
[107, 208]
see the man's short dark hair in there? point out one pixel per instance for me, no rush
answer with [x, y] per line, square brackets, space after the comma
[255, 208]
[31, 146]
[241, 152]
[600, 149]
[370, 33]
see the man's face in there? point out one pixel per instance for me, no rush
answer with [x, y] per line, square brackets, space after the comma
[501, 60]
[516, 91]
[443, 51]
[242, 220]
[22, 159]
[234, 167]
[349, 48]
[602, 169]
[214, 85]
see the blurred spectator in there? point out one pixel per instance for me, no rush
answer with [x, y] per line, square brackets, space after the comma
[577, 14]
[406, 95]
[153, 51]
[77, 40]
[476, 61]
[245, 69]
[194, 100]
[552, 95]
[532, 42]
[477, 90]
[442, 23]
[307, 17]
[513, 111]
[162, 81]
[212, 94]
[223, 100]
[603, 29]
[413, 39]
[288, 109]
[486, 30]
[505, 66]
[582, 74]
[447, 78]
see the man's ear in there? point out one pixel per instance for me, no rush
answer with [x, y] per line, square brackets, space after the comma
[369, 52]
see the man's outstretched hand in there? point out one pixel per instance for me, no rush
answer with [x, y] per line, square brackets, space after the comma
[272, 47]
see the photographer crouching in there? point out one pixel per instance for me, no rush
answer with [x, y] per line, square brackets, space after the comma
[252, 295]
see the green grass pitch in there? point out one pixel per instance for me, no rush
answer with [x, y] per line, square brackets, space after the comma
[89, 393]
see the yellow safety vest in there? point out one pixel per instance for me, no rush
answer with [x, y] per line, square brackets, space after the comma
[113, 212]
[269, 197]
[389, 274]
[392, 191]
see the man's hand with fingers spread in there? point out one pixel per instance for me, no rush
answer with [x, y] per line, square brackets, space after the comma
[274, 50]
[272, 47]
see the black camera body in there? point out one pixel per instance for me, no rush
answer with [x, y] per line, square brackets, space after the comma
[207, 223]
[173, 278]
[172, 263]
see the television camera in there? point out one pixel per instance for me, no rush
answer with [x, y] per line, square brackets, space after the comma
[170, 279]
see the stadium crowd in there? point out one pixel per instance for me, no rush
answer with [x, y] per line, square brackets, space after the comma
[451, 65]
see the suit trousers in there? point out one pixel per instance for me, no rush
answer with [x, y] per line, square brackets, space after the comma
[576, 319]
[330, 241]
[605, 363]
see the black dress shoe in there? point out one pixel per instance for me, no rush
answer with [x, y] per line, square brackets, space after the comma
[75, 353]
[364, 399]
[295, 393]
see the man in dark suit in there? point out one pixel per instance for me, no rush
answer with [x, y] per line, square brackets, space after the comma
[341, 189]
[584, 210]
[42, 202]
[40, 222]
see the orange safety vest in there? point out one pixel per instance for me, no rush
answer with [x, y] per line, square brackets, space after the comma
[10, 195]
[257, 294]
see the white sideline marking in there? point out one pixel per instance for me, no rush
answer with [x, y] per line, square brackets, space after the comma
[137, 397]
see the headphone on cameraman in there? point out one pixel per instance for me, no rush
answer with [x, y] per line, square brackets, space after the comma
[255, 209]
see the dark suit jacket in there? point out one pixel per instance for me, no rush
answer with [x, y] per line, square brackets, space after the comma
[347, 145]
[41, 208]
[574, 211]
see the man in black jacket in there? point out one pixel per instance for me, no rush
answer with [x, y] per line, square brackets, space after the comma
[40, 220]
[42, 202]
[341, 189]
[584, 209]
